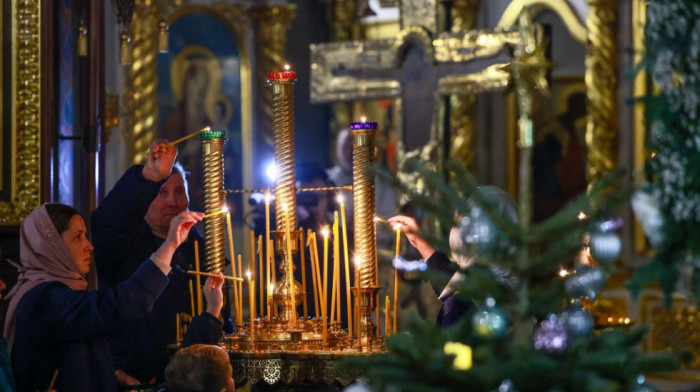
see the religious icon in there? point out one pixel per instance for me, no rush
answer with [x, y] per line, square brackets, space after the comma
[200, 86]
[559, 154]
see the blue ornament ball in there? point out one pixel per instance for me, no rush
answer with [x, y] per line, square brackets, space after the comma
[506, 386]
[478, 229]
[587, 281]
[551, 336]
[578, 321]
[605, 246]
[490, 322]
[641, 385]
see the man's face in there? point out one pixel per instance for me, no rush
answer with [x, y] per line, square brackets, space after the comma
[171, 200]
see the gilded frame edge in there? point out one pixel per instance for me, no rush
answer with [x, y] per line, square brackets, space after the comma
[26, 106]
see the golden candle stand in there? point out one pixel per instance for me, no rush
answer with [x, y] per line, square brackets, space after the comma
[290, 349]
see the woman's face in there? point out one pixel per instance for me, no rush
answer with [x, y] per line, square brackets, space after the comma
[78, 245]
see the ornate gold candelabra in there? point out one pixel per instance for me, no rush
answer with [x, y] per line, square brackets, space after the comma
[288, 341]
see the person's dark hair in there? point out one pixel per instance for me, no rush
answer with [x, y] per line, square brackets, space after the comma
[61, 215]
[200, 368]
[309, 171]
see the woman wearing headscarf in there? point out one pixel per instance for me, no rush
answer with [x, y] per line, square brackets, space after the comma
[55, 328]
[453, 307]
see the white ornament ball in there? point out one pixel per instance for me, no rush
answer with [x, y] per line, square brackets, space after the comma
[605, 246]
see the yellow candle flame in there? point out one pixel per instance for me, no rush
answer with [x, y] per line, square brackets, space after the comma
[271, 289]
[285, 207]
[563, 273]
[581, 216]
[341, 199]
[286, 67]
[248, 274]
[325, 232]
[363, 119]
[268, 197]
[396, 227]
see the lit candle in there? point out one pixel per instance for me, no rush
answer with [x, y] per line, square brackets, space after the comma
[231, 252]
[251, 296]
[290, 265]
[240, 292]
[251, 267]
[272, 271]
[260, 267]
[270, 293]
[341, 201]
[324, 300]
[303, 272]
[287, 74]
[396, 278]
[197, 278]
[336, 256]
[313, 254]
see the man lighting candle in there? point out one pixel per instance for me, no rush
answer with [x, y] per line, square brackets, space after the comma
[127, 227]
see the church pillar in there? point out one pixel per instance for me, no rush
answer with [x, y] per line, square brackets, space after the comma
[270, 24]
[601, 86]
[463, 107]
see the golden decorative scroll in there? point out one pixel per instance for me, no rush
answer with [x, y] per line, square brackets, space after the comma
[271, 24]
[601, 85]
[26, 94]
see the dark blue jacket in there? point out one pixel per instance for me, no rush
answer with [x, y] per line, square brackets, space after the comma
[122, 238]
[453, 308]
[65, 329]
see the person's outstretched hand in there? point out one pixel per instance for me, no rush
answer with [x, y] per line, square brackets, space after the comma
[180, 226]
[213, 294]
[124, 379]
[410, 228]
[159, 164]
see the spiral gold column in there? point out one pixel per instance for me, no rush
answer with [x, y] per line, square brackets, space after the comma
[213, 162]
[365, 236]
[283, 140]
[287, 292]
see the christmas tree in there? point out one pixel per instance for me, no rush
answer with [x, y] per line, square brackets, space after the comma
[531, 334]
[535, 333]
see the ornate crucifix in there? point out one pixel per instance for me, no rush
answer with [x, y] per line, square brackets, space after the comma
[418, 68]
